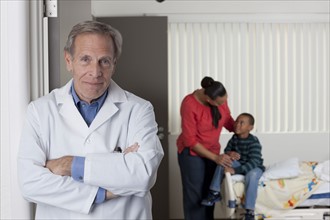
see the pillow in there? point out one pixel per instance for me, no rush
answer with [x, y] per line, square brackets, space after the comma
[283, 169]
[322, 170]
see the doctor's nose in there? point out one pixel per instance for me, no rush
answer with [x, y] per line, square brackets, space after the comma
[95, 70]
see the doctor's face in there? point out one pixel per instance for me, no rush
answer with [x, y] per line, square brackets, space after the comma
[92, 65]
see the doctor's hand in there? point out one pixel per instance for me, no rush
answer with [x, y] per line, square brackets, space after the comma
[60, 166]
[132, 148]
[109, 195]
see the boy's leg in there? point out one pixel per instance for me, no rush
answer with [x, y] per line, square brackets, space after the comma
[235, 163]
[215, 187]
[251, 187]
[214, 195]
[219, 175]
[217, 179]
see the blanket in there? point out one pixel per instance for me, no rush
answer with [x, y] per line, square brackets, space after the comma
[276, 197]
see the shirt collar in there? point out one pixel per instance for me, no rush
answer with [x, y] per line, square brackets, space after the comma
[76, 98]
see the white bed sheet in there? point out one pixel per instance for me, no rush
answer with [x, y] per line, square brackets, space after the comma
[321, 197]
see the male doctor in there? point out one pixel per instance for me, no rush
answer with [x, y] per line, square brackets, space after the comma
[90, 150]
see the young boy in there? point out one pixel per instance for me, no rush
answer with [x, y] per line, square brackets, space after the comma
[245, 152]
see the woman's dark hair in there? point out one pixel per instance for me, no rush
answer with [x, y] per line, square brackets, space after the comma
[213, 89]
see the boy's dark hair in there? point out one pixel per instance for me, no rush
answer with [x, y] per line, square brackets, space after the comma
[251, 118]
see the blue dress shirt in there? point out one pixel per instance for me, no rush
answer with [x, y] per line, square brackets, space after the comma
[88, 112]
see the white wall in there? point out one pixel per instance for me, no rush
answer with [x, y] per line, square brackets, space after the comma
[14, 97]
[206, 7]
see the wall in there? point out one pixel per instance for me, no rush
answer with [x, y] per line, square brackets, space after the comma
[15, 79]
[174, 8]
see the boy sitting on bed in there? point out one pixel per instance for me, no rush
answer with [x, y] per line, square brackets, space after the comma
[245, 152]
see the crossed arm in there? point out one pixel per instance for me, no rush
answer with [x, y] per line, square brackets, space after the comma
[63, 166]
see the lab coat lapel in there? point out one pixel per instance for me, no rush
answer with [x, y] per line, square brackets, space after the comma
[109, 108]
[67, 108]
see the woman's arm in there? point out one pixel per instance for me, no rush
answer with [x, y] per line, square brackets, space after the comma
[222, 159]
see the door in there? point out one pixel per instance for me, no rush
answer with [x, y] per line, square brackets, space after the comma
[142, 70]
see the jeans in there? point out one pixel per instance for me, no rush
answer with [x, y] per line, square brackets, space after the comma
[251, 183]
[196, 176]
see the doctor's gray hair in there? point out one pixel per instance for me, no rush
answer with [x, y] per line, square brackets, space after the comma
[95, 27]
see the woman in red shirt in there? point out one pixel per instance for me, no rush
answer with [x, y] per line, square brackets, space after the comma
[203, 114]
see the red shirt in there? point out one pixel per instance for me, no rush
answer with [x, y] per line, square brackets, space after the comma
[197, 127]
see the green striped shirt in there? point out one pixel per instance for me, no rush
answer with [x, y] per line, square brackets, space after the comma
[250, 151]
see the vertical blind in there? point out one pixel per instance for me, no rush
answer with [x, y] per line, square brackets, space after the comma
[279, 72]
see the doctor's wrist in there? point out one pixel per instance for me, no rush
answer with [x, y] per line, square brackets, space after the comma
[109, 195]
[78, 168]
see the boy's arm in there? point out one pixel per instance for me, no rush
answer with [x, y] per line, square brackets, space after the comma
[230, 152]
[255, 159]
[229, 146]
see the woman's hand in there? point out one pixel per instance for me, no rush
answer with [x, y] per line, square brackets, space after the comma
[230, 170]
[224, 160]
[234, 155]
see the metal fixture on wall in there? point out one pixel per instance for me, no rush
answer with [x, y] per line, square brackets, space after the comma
[50, 8]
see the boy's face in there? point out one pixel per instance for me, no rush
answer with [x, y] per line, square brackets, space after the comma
[242, 126]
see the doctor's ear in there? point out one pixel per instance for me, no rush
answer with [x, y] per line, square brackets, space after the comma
[114, 66]
[68, 60]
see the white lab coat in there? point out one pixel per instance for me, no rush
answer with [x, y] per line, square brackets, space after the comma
[55, 128]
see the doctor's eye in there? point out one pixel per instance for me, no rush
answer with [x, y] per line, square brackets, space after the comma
[85, 59]
[105, 62]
